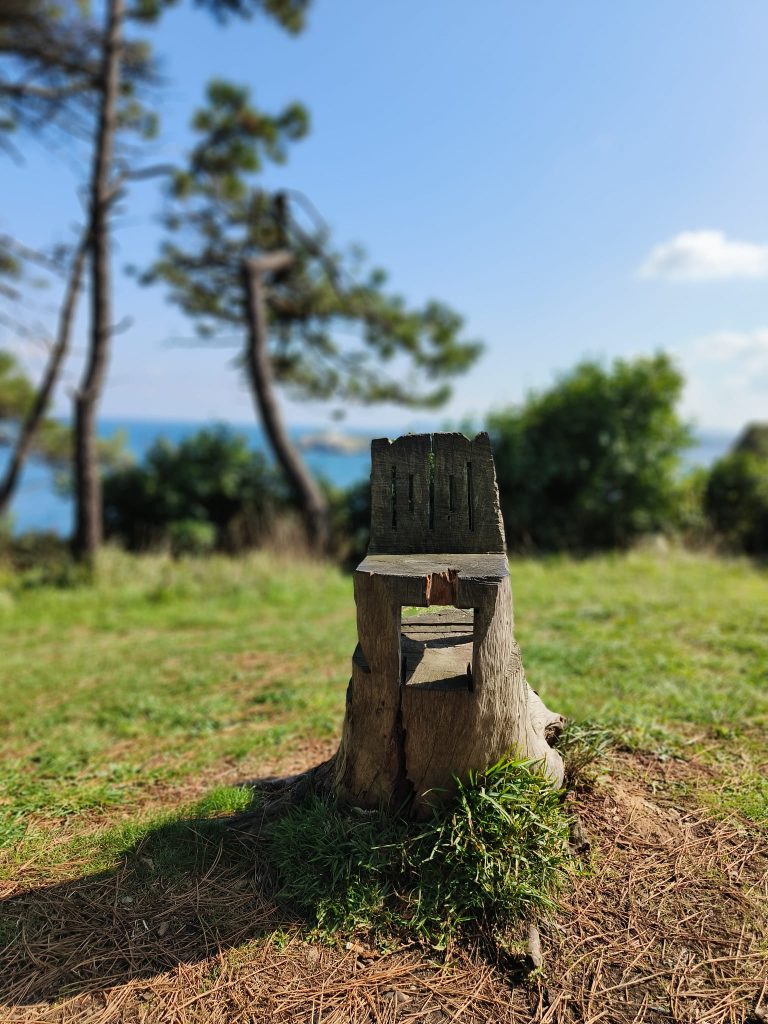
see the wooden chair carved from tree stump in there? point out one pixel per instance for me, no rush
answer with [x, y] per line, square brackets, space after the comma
[436, 695]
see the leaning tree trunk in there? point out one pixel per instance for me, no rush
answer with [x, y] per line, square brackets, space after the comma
[88, 525]
[312, 502]
[42, 400]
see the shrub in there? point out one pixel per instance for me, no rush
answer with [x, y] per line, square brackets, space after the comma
[593, 462]
[350, 521]
[495, 857]
[690, 520]
[736, 499]
[209, 491]
[39, 559]
[191, 537]
[754, 438]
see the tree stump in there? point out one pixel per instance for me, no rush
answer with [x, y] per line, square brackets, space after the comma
[434, 696]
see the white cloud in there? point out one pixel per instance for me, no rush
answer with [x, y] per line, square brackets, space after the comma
[747, 350]
[727, 377]
[705, 256]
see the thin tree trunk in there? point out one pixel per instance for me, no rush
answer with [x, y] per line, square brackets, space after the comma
[88, 526]
[312, 502]
[50, 378]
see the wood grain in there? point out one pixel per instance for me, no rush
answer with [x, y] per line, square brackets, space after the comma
[434, 493]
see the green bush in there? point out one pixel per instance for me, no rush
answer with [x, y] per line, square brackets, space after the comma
[497, 856]
[350, 521]
[736, 499]
[191, 537]
[38, 559]
[754, 439]
[691, 521]
[209, 491]
[593, 462]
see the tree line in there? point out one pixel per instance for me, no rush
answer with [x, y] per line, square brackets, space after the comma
[594, 463]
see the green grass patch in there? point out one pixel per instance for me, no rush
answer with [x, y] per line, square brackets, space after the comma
[498, 856]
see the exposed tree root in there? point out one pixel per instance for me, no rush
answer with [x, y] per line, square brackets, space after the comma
[534, 947]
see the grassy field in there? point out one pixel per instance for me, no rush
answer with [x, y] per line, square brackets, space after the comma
[149, 696]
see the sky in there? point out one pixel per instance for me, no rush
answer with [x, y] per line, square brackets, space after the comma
[579, 180]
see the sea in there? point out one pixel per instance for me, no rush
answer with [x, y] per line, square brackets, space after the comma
[39, 505]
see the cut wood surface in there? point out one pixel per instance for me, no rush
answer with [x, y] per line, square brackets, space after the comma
[436, 579]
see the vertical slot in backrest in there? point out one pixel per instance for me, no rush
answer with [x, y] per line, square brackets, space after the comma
[431, 477]
[470, 498]
[451, 453]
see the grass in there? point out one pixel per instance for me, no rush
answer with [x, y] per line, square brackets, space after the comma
[165, 671]
[154, 675]
[498, 858]
[133, 708]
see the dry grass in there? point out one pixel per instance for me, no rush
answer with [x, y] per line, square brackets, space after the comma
[669, 923]
[673, 924]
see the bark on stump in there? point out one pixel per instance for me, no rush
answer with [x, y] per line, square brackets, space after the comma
[437, 695]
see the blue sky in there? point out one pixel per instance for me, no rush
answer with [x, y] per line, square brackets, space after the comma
[578, 179]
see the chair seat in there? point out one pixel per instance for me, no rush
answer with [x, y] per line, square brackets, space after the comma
[439, 579]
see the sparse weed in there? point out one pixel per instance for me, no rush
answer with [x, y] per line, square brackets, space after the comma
[583, 745]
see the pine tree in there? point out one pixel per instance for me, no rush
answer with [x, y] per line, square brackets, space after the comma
[237, 256]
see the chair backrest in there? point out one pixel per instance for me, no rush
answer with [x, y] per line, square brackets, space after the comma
[434, 493]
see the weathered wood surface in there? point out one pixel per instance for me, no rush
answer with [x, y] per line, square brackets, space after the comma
[438, 695]
[451, 733]
[437, 650]
[370, 769]
[434, 493]
[437, 579]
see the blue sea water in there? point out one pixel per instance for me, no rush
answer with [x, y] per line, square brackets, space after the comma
[38, 506]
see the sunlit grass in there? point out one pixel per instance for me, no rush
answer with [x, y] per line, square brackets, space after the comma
[168, 675]
[498, 856]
